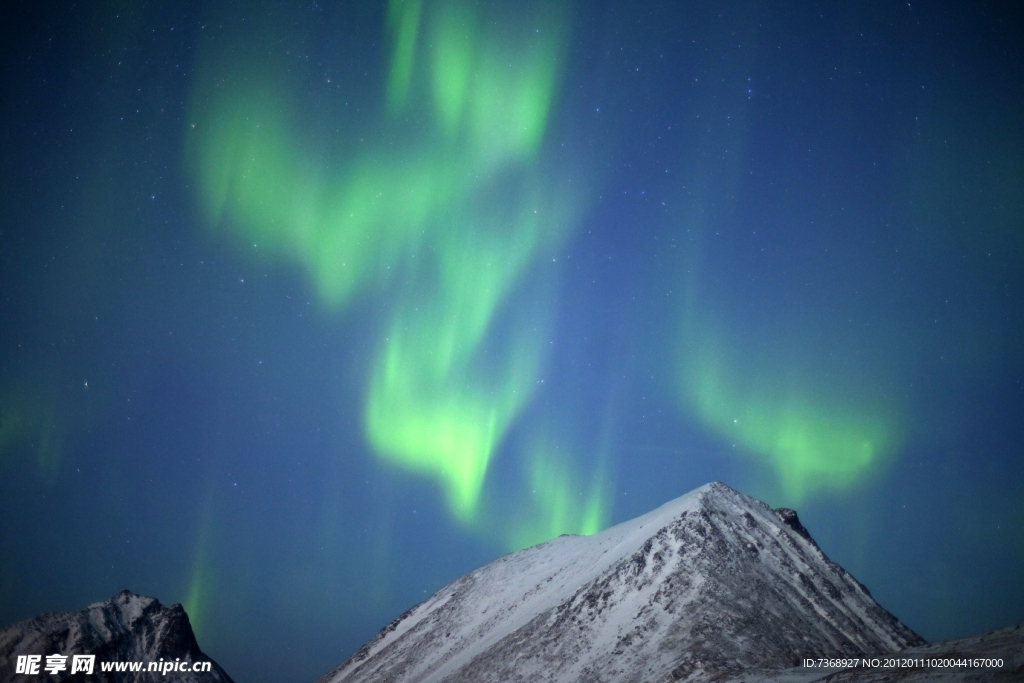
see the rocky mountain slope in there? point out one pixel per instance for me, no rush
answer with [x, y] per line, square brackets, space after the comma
[707, 586]
[126, 628]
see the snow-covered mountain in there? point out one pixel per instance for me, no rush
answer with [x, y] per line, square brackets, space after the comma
[127, 628]
[708, 585]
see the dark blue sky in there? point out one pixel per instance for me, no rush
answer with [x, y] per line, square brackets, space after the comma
[308, 309]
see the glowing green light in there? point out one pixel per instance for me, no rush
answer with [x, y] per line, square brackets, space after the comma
[452, 62]
[558, 504]
[459, 215]
[814, 438]
[434, 405]
[433, 423]
[196, 599]
[199, 582]
[403, 20]
[509, 107]
[346, 227]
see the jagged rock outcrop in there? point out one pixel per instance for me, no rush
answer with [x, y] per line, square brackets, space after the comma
[126, 628]
[705, 587]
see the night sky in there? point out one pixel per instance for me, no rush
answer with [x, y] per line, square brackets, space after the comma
[307, 309]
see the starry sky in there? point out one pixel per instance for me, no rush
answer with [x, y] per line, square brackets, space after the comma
[307, 309]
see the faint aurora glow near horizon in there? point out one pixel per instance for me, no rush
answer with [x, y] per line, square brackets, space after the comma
[815, 439]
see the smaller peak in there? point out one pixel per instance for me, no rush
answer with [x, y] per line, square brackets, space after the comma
[126, 597]
[128, 607]
[789, 517]
[718, 486]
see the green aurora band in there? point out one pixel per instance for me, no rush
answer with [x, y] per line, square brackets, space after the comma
[764, 401]
[556, 505]
[449, 226]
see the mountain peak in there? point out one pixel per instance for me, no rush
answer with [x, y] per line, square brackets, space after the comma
[708, 583]
[126, 628]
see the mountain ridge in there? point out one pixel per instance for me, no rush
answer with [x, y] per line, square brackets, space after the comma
[706, 584]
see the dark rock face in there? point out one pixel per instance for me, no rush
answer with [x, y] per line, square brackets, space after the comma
[126, 628]
[790, 519]
[707, 587]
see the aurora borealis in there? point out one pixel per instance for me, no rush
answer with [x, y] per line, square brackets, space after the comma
[456, 216]
[308, 309]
